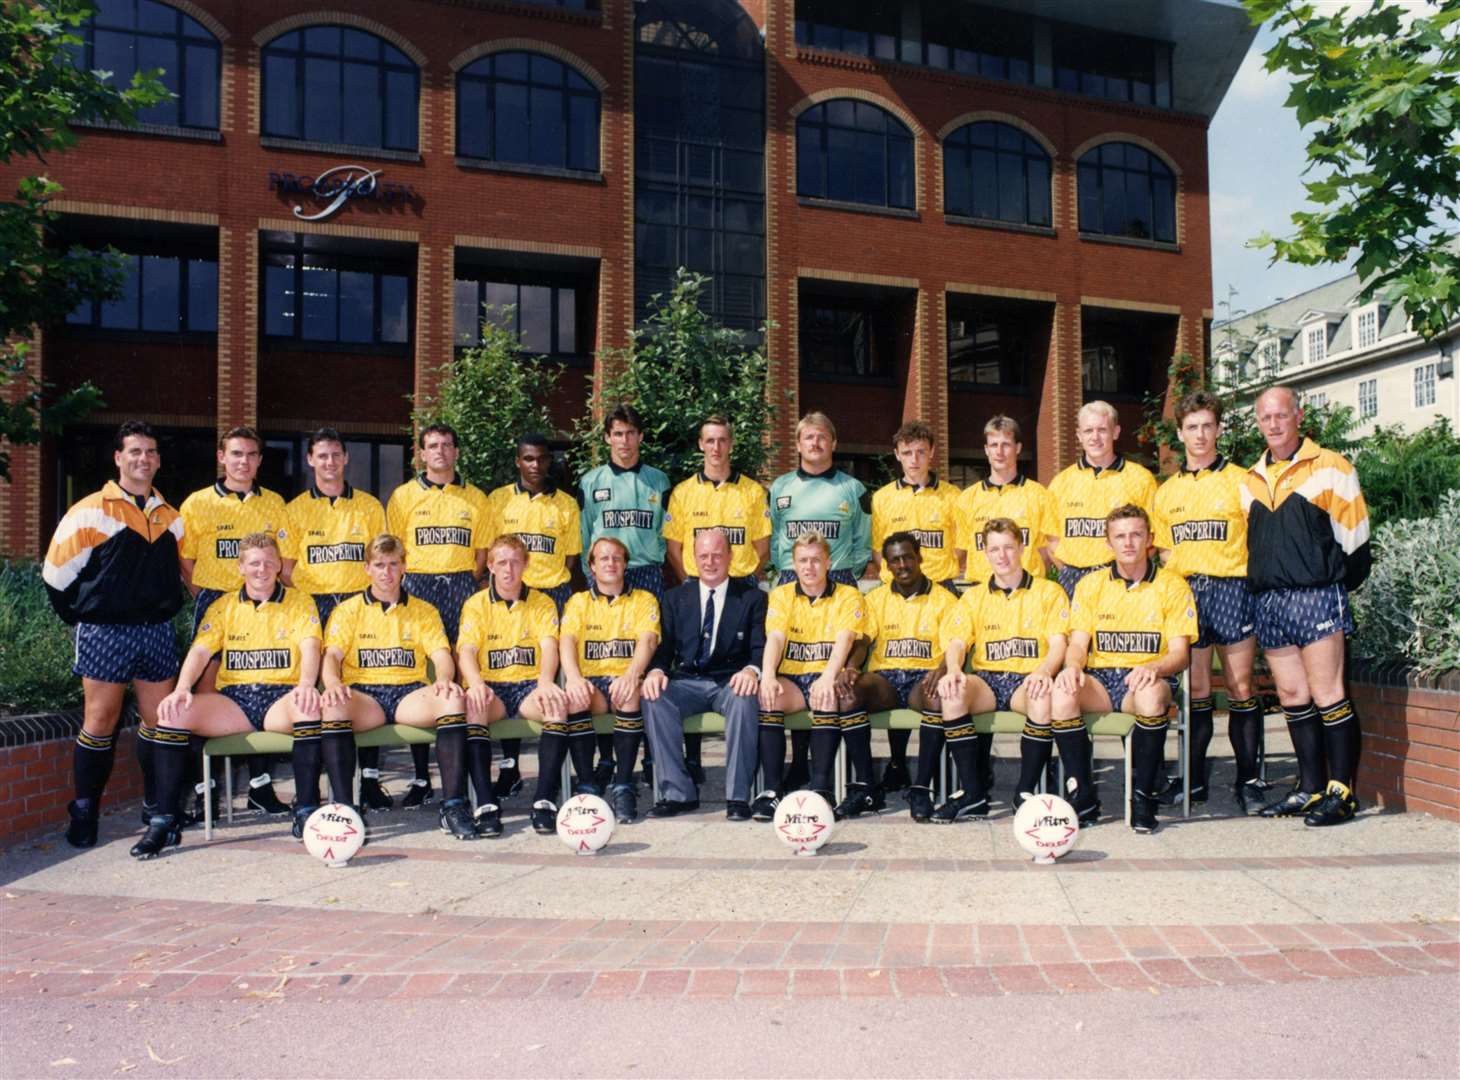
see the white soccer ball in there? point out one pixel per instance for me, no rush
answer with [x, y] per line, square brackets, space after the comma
[585, 824]
[804, 821]
[1047, 827]
[334, 833]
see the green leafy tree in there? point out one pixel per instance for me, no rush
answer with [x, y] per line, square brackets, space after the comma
[1405, 477]
[40, 91]
[491, 393]
[1377, 91]
[683, 367]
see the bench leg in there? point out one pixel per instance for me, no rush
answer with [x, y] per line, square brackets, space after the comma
[227, 786]
[207, 799]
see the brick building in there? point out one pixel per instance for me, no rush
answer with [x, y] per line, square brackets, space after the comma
[945, 210]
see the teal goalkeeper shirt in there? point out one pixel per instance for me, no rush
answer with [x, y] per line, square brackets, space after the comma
[829, 503]
[628, 505]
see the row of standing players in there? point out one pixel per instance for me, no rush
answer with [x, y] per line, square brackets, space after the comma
[1200, 521]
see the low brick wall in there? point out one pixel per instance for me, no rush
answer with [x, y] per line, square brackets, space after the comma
[35, 773]
[1411, 725]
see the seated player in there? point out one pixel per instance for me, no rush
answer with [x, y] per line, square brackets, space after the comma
[268, 639]
[608, 637]
[1013, 627]
[1130, 627]
[376, 648]
[812, 625]
[903, 619]
[509, 661]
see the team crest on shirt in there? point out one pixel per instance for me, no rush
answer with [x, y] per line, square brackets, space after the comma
[463, 515]
[405, 634]
[1190, 614]
[783, 502]
[602, 494]
[842, 507]
[205, 627]
[281, 634]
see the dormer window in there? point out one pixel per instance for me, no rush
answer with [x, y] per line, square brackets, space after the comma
[1268, 354]
[1366, 326]
[1315, 343]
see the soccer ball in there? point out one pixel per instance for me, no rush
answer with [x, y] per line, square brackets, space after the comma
[334, 833]
[804, 821]
[1047, 827]
[585, 824]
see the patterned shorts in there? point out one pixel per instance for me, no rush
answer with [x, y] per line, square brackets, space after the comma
[650, 577]
[803, 683]
[388, 697]
[903, 682]
[1069, 576]
[447, 593]
[601, 682]
[255, 699]
[110, 652]
[325, 604]
[512, 694]
[1113, 679]
[1004, 684]
[1224, 610]
[559, 595]
[841, 577]
[201, 603]
[1302, 616]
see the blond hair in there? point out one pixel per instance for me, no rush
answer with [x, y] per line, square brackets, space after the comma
[816, 420]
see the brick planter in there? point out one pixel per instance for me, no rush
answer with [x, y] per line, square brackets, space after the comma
[35, 772]
[1411, 724]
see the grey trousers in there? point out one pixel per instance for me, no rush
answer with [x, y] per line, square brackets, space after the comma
[664, 719]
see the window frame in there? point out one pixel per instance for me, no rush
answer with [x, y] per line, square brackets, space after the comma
[557, 284]
[1155, 170]
[1368, 403]
[1369, 315]
[978, 316]
[1315, 343]
[1425, 375]
[894, 132]
[567, 92]
[93, 327]
[1029, 151]
[867, 310]
[337, 262]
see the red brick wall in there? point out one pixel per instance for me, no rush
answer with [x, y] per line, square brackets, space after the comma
[35, 786]
[1411, 755]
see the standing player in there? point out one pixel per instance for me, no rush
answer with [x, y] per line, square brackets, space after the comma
[268, 639]
[1307, 546]
[927, 507]
[812, 627]
[329, 525]
[509, 661]
[1014, 626]
[445, 524]
[1129, 632]
[1005, 493]
[1088, 490]
[1201, 525]
[818, 497]
[903, 619]
[546, 520]
[215, 519]
[112, 572]
[608, 637]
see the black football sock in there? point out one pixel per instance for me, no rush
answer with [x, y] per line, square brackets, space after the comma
[92, 765]
[963, 745]
[628, 733]
[930, 748]
[146, 746]
[1306, 730]
[1036, 745]
[511, 751]
[1338, 740]
[800, 749]
[581, 744]
[983, 745]
[1244, 730]
[1148, 753]
[857, 732]
[337, 752]
[451, 755]
[1201, 739]
[306, 759]
[897, 740]
[552, 748]
[421, 759]
[258, 766]
[369, 759]
[826, 737]
[1072, 739]
[194, 776]
[171, 756]
[479, 761]
[605, 747]
[692, 749]
[772, 748]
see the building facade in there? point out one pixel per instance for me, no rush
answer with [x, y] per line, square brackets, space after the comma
[940, 210]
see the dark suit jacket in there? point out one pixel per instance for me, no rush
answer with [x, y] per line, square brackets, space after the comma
[740, 641]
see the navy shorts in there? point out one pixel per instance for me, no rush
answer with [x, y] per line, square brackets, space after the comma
[388, 697]
[841, 577]
[201, 603]
[1224, 610]
[602, 682]
[325, 604]
[255, 699]
[903, 682]
[1301, 616]
[1069, 576]
[1113, 679]
[113, 653]
[512, 694]
[1004, 684]
[803, 683]
[650, 577]
[559, 595]
[447, 593]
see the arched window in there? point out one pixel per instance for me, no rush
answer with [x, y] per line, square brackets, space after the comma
[1127, 191]
[335, 84]
[852, 151]
[995, 171]
[131, 35]
[526, 109]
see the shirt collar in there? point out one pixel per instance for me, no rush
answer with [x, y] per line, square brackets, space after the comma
[498, 598]
[619, 470]
[1019, 480]
[1025, 581]
[1216, 466]
[113, 490]
[923, 590]
[224, 492]
[1150, 574]
[428, 484]
[315, 493]
[830, 588]
[929, 486]
[1115, 466]
[733, 478]
[548, 488]
[804, 475]
[371, 598]
[599, 594]
[274, 597]
[1306, 448]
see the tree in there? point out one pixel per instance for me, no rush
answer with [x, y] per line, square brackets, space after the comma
[41, 89]
[1405, 477]
[683, 367]
[1378, 91]
[492, 393]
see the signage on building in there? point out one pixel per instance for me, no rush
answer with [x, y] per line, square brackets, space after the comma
[335, 187]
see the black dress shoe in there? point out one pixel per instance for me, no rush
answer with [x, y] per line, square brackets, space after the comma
[736, 810]
[673, 807]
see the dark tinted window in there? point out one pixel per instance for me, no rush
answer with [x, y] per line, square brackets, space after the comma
[127, 36]
[837, 338]
[334, 298]
[1117, 67]
[336, 84]
[165, 294]
[995, 171]
[527, 109]
[852, 151]
[1127, 191]
[544, 316]
[991, 344]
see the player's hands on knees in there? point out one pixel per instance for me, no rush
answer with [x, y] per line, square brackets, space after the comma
[743, 682]
[1142, 677]
[335, 697]
[445, 688]
[175, 706]
[1038, 686]
[622, 691]
[552, 697]
[1070, 680]
[770, 692]
[655, 682]
[952, 686]
[478, 701]
[579, 693]
[823, 694]
[306, 699]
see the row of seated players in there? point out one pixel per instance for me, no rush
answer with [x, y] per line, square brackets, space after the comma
[822, 646]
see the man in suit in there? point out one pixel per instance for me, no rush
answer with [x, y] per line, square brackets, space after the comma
[713, 629]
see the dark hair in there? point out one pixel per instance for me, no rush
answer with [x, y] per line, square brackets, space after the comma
[324, 434]
[1121, 513]
[1197, 401]
[623, 413]
[437, 428]
[133, 427]
[242, 432]
[533, 438]
[903, 537]
[914, 431]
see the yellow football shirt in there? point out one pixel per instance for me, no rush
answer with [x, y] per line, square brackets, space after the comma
[930, 513]
[811, 623]
[1025, 502]
[904, 629]
[1008, 630]
[216, 519]
[385, 646]
[328, 535]
[736, 506]
[1199, 519]
[508, 636]
[546, 522]
[442, 525]
[260, 642]
[606, 629]
[1085, 495]
[1132, 623]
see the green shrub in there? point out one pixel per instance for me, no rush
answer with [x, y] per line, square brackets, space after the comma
[1406, 476]
[1407, 609]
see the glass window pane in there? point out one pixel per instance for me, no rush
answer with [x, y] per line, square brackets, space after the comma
[1038, 172]
[1165, 209]
[81, 314]
[357, 305]
[357, 470]
[501, 295]
[567, 321]
[1089, 187]
[1113, 211]
[157, 17]
[956, 182]
[323, 39]
[154, 53]
[840, 164]
[901, 192]
[202, 295]
[985, 184]
[511, 65]
[510, 118]
[279, 296]
[841, 112]
[548, 137]
[870, 169]
[320, 303]
[280, 104]
[545, 72]
[322, 100]
[655, 245]
[473, 131]
[400, 110]
[699, 249]
[161, 305]
[395, 308]
[535, 315]
[114, 53]
[1011, 188]
[361, 45]
[362, 118]
[114, 13]
[583, 133]
[200, 89]
[121, 313]
[392, 468]
[465, 314]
